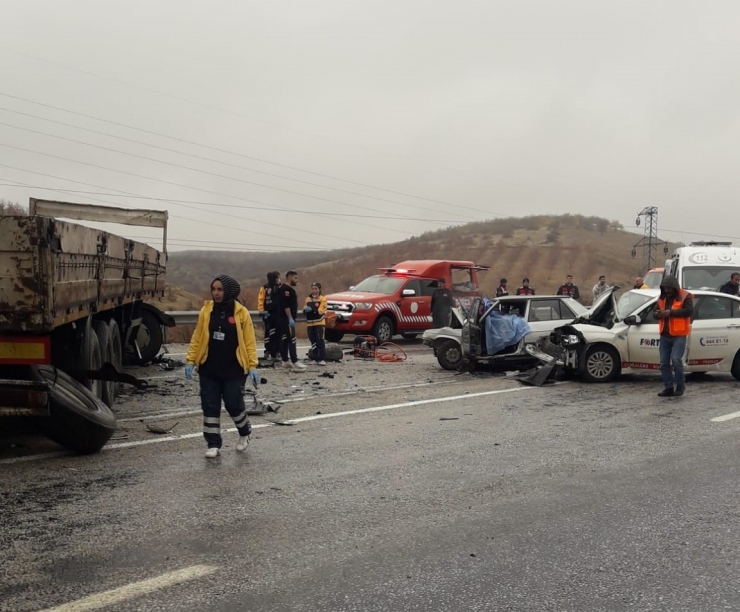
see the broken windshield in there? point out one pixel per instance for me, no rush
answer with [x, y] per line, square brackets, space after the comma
[630, 302]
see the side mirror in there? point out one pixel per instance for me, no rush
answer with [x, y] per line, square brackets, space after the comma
[408, 293]
[633, 320]
[351, 287]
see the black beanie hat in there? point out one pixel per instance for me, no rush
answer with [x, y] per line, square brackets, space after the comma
[231, 287]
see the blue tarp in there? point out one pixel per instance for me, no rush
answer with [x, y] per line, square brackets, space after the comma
[503, 330]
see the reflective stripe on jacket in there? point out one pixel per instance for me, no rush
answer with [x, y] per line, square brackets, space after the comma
[677, 326]
[246, 352]
[316, 315]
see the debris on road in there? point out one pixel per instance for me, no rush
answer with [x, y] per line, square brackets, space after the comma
[449, 418]
[156, 429]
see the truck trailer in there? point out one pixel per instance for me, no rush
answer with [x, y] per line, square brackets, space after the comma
[72, 310]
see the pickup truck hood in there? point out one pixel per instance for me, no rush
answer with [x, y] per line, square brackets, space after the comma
[351, 296]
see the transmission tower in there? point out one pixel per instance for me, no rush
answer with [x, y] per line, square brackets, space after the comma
[649, 240]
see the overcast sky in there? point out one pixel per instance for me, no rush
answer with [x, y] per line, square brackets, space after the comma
[431, 112]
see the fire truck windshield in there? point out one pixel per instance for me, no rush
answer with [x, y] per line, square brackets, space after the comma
[379, 284]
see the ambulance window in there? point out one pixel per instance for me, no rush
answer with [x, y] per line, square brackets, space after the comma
[428, 286]
[713, 307]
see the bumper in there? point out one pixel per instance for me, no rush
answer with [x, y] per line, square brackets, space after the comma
[354, 322]
[23, 398]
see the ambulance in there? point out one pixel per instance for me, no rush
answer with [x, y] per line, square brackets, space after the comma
[398, 299]
[704, 265]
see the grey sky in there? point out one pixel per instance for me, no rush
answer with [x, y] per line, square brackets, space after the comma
[499, 108]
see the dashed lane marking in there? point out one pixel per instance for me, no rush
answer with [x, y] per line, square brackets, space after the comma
[135, 589]
[315, 417]
[726, 417]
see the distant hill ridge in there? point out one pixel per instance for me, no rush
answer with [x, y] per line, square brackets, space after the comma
[544, 248]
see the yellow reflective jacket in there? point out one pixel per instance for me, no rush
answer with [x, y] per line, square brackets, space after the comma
[246, 352]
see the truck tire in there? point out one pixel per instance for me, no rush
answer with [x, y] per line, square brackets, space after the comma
[600, 363]
[383, 329]
[108, 387]
[148, 337]
[449, 355]
[116, 341]
[77, 419]
[333, 335]
[91, 358]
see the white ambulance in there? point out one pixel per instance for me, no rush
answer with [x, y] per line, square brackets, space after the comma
[704, 265]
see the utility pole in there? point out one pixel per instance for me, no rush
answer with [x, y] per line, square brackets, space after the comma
[649, 240]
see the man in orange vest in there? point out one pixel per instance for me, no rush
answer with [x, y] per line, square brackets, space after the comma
[674, 310]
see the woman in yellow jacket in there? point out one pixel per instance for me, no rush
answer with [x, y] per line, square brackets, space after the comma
[224, 350]
[315, 310]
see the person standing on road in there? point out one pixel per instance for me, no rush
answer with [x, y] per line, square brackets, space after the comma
[315, 310]
[600, 287]
[732, 287]
[267, 307]
[287, 311]
[569, 289]
[674, 310]
[224, 350]
[441, 306]
[525, 289]
[502, 290]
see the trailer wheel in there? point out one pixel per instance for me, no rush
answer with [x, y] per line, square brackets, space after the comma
[77, 419]
[108, 387]
[116, 342]
[91, 358]
[148, 337]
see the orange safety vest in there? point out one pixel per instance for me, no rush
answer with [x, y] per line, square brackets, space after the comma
[677, 326]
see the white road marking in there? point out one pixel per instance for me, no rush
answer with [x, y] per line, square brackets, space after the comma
[726, 417]
[315, 417]
[135, 589]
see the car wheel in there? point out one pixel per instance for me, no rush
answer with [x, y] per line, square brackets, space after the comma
[449, 355]
[332, 335]
[383, 329]
[600, 364]
[735, 371]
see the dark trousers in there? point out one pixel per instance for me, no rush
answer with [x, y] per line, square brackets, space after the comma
[441, 318]
[272, 339]
[212, 391]
[287, 342]
[671, 360]
[318, 346]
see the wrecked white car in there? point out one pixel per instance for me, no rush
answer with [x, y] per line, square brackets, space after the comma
[543, 313]
[622, 336]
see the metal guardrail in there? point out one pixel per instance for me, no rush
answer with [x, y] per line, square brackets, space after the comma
[190, 317]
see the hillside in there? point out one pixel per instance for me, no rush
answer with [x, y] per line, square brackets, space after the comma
[544, 248]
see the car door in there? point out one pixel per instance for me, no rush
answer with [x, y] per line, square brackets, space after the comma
[711, 328]
[643, 341]
[412, 315]
[471, 338]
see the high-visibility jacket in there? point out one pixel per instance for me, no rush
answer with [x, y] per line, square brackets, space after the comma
[677, 326]
[318, 309]
[246, 352]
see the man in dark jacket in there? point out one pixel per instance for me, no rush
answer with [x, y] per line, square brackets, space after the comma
[569, 289]
[287, 300]
[442, 302]
[502, 289]
[525, 289]
[674, 310]
[732, 287]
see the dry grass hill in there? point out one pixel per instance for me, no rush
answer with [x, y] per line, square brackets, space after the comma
[544, 248]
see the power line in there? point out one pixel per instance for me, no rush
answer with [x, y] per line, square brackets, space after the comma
[242, 155]
[204, 158]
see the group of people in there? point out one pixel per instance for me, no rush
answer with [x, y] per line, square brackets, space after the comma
[568, 288]
[224, 347]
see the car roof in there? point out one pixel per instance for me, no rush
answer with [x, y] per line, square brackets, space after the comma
[518, 298]
[656, 292]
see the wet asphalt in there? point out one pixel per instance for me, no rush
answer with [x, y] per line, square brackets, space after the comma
[572, 497]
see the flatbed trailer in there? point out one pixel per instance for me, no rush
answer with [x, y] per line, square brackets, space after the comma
[72, 309]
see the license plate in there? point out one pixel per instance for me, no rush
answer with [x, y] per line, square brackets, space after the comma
[25, 351]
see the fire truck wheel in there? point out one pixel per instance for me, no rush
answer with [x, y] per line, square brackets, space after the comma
[77, 419]
[383, 329]
[108, 387]
[332, 335]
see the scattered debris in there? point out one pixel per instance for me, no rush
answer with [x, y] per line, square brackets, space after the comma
[328, 375]
[449, 418]
[160, 430]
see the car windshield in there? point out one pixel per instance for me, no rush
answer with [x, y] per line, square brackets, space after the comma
[630, 302]
[379, 284]
[706, 277]
[652, 279]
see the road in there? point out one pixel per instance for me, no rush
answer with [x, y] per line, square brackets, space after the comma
[469, 493]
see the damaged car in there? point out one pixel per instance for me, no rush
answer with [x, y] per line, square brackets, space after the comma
[622, 336]
[497, 331]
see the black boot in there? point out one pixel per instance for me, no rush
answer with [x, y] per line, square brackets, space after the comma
[680, 389]
[667, 392]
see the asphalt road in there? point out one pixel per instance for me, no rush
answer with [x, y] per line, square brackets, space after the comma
[573, 497]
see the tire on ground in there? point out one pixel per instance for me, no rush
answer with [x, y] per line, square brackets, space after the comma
[77, 420]
[601, 363]
[333, 335]
[149, 337]
[108, 387]
[449, 355]
[90, 357]
[383, 329]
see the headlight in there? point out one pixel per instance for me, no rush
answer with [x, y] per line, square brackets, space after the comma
[570, 340]
[363, 305]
